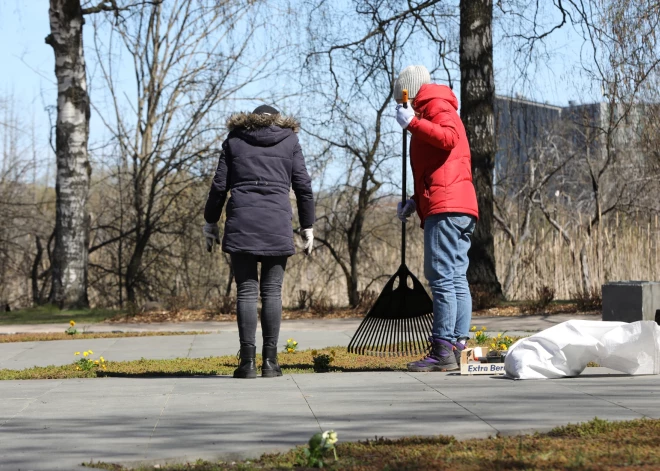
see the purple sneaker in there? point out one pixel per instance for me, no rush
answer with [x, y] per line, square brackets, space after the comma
[440, 358]
[459, 348]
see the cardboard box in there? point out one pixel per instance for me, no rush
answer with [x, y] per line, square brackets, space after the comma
[470, 365]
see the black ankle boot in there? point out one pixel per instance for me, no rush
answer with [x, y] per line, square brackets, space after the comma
[270, 368]
[248, 367]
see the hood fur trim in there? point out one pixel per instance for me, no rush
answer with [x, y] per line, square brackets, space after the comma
[251, 121]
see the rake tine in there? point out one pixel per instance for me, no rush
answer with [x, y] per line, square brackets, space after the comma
[378, 336]
[409, 336]
[397, 344]
[374, 324]
[390, 333]
[371, 342]
[395, 337]
[364, 335]
[421, 341]
[403, 335]
[428, 320]
[385, 344]
[404, 342]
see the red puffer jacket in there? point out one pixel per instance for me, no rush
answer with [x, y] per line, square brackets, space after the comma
[440, 155]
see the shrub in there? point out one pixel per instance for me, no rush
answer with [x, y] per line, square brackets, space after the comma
[544, 296]
[176, 304]
[304, 299]
[321, 305]
[483, 299]
[367, 299]
[591, 300]
[226, 304]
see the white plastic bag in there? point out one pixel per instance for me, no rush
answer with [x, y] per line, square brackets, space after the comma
[565, 349]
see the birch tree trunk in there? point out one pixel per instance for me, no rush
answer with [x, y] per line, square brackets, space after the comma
[70, 257]
[477, 112]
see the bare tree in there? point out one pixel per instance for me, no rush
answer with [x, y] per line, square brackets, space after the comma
[188, 57]
[477, 112]
[73, 169]
[621, 53]
[360, 138]
[70, 257]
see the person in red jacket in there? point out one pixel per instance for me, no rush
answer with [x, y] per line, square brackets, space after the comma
[446, 203]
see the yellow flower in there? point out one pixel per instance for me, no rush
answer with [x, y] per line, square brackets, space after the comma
[499, 335]
[90, 352]
[96, 362]
[72, 323]
[503, 347]
[78, 368]
[295, 343]
[85, 353]
[77, 353]
[483, 327]
[289, 340]
[290, 350]
[474, 327]
[493, 346]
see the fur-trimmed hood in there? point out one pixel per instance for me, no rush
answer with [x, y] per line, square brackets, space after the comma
[252, 121]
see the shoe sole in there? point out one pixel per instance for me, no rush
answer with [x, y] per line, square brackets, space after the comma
[270, 374]
[250, 376]
[435, 369]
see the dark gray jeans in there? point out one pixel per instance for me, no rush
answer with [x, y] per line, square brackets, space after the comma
[248, 287]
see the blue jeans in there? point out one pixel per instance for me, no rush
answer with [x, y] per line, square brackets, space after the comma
[447, 239]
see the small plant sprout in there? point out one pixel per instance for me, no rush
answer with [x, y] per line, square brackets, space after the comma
[88, 364]
[322, 361]
[319, 444]
[291, 346]
[72, 328]
[501, 343]
[480, 336]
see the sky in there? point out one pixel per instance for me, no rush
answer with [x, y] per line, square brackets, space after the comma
[28, 75]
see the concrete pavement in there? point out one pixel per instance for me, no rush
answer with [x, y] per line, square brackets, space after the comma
[499, 324]
[59, 424]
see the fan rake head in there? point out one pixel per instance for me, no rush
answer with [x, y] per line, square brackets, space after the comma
[400, 321]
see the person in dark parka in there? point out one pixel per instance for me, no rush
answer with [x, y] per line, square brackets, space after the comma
[260, 161]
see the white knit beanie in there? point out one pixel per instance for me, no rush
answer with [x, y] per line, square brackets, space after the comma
[411, 78]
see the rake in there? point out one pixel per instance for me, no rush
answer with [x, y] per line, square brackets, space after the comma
[400, 321]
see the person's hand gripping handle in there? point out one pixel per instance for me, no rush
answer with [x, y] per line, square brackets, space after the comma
[404, 113]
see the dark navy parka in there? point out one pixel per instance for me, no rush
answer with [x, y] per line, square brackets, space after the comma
[260, 161]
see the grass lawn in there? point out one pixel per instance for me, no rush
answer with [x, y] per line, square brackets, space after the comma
[299, 362]
[291, 363]
[52, 315]
[595, 445]
[42, 337]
